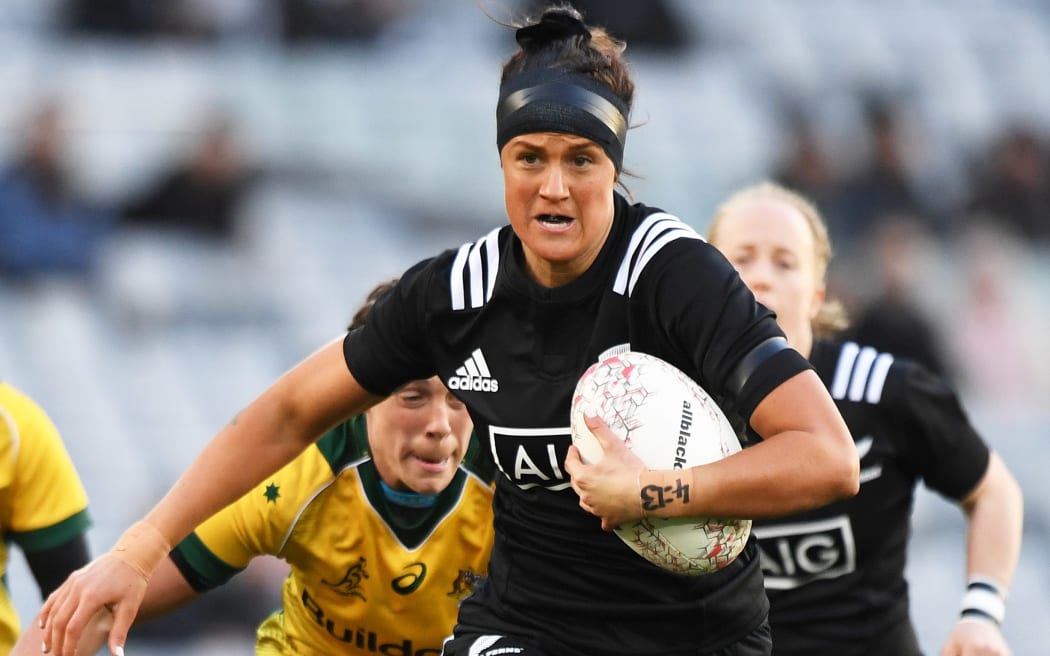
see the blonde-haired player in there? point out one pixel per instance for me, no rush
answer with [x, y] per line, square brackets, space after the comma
[835, 575]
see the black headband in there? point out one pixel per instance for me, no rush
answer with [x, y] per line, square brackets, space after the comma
[549, 100]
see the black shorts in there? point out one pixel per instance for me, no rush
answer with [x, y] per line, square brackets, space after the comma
[466, 642]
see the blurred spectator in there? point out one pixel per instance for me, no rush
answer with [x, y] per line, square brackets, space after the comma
[201, 196]
[999, 325]
[653, 25]
[114, 18]
[883, 186]
[806, 168]
[45, 226]
[192, 20]
[340, 20]
[893, 321]
[1015, 193]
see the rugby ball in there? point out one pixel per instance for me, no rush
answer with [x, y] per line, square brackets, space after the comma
[670, 422]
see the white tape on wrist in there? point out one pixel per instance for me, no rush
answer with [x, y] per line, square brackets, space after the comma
[984, 600]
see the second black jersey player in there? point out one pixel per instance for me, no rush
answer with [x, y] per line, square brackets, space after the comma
[835, 575]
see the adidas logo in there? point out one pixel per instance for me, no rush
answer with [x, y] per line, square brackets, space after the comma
[474, 375]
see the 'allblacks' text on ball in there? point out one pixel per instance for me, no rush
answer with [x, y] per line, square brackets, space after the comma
[669, 422]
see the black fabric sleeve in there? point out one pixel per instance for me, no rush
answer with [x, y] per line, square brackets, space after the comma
[51, 567]
[389, 349]
[945, 448]
[771, 372]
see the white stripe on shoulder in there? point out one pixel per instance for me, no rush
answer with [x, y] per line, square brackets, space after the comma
[860, 374]
[878, 377]
[456, 278]
[471, 272]
[655, 232]
[843, 369]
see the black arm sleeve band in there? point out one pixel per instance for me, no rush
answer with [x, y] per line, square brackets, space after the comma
[753, 360]
[51, 567]
[779, 365]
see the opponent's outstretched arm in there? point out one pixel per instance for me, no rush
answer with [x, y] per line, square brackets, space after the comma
[167, 590]
[305, 402]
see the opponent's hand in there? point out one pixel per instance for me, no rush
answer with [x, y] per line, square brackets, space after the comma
[105, 583]
[975, 638]
[608, 488]
[93, 638]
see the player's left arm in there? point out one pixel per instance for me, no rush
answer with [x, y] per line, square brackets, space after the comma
[994, 511]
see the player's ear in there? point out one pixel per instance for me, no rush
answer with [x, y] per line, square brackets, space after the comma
[820, 292]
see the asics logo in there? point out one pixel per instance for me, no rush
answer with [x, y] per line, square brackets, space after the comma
[474, 375]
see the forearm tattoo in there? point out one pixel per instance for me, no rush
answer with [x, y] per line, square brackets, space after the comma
[655, 497]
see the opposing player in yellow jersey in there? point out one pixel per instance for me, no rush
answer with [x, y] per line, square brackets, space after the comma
[43, 506]
[386, 523]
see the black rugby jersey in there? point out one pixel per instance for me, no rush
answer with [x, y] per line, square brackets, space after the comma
[835, 576]
[513, 351]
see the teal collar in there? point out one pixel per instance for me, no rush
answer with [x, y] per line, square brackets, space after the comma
[407, 497]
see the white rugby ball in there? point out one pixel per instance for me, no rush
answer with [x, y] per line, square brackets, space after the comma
[670, 422]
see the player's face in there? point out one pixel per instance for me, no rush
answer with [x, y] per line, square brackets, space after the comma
[772, 246]
[558, 190]
[419, 436]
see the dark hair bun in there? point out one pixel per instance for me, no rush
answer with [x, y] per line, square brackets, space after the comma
[558, 24]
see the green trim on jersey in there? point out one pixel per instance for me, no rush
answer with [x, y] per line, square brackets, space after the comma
[346, 442]
[210, 570]
[410, 534]
[52, 536]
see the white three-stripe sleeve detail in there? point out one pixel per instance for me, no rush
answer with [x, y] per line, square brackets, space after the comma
[620, 284]
[668, 237]
[477, 276]
[456, 278]
[492, 256]
[653, 234]
[878, 377]
[840, 383]
[860, 373]
[481, 274]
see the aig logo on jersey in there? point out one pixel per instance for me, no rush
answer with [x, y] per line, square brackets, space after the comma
[474, 375]
[796, 554]
[531, 456]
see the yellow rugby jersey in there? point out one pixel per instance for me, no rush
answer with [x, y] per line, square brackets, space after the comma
[361, 581]
[42, 501]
